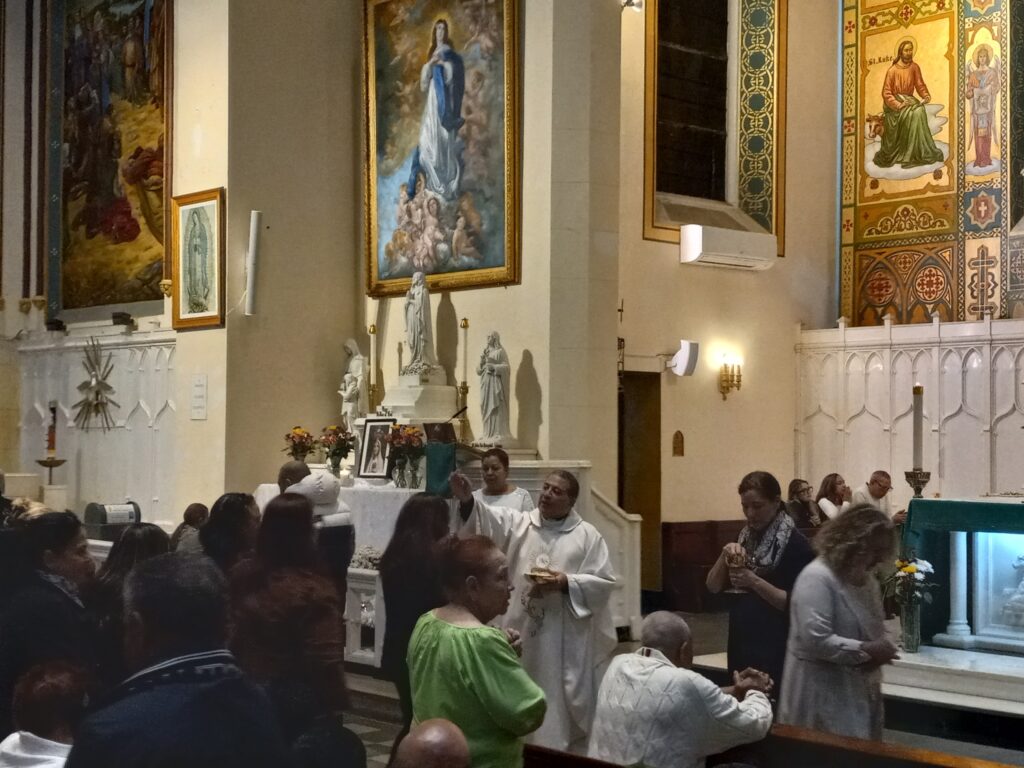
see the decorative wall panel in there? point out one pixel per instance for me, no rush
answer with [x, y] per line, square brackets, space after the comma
[854, 404]
[136, 459]
[930, 136]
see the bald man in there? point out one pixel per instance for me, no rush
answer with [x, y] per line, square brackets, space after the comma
[653, 710]
[433, 744]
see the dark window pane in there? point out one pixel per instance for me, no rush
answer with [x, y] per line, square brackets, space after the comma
[692, 91]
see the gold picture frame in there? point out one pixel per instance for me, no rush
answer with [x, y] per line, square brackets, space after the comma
[197, 260]
[442, 164]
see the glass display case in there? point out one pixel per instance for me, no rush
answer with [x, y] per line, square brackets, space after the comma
[977, 548]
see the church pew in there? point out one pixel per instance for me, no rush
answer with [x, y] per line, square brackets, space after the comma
[790, 747]
[787, 746]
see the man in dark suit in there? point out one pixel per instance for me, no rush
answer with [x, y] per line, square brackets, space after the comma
[189, 704]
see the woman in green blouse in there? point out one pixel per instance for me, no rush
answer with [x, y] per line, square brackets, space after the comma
[464, 671]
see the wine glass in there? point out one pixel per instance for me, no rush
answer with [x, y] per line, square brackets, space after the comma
[737, 560]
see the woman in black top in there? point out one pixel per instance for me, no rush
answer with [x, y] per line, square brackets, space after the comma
[763, 565]
[411, 584]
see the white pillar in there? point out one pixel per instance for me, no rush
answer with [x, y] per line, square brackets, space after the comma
[958, 631]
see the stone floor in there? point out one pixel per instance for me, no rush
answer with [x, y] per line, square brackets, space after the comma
[376, 735]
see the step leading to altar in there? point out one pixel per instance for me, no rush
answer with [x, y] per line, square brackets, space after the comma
[947, 677]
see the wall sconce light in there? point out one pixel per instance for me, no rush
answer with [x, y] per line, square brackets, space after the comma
[683, 362]
[636, 5]
[730, 377]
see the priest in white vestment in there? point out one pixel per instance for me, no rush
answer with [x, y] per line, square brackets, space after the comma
[563, 578]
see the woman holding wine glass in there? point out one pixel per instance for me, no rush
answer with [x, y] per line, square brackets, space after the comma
[760, 569]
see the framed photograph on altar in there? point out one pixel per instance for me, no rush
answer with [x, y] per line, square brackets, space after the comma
[442, 167]
[375, 449]
[197, 265]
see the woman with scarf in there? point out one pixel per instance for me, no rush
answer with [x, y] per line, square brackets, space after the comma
[761, 567]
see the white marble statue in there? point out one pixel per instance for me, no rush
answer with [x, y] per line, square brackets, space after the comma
[353, 391]
[419, 332]
[495, 373]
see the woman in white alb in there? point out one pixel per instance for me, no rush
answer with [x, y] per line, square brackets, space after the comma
[497, 491]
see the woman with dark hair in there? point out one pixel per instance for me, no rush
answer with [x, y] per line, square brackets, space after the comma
[833, 496]
[411, 585]
[288, 632]
[467, 672]
[761, 567]
[837, 642]
[230, 533]
[801, 506]
[497, 491]
[46, 620]
[186, 536]
[138, 542]
[49, 703]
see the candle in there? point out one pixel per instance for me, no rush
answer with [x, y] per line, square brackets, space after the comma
[51, 432]
[464, 325]
[918, 424]
[373, 355]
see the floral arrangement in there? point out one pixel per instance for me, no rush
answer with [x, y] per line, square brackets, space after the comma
[298, 443]
[367, 558]
[407, 441]
[336, 442]
[909, 582]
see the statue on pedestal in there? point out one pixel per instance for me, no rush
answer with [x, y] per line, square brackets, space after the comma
[353, 386]
[419, 332]
[495, 373]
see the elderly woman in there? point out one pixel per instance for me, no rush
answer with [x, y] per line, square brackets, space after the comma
[467, 672]
[837, 643]
[497, 490]
[761, 567]
[833, 496]
[801, 505]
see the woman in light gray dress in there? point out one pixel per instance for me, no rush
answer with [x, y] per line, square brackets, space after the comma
[837, 643]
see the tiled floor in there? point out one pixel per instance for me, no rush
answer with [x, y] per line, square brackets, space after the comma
[377, 737]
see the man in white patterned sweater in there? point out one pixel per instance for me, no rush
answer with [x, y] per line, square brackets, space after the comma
[652, 710]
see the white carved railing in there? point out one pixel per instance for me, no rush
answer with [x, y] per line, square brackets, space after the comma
[136, 459]
[621, 531]
[853, 410]
[364, 607]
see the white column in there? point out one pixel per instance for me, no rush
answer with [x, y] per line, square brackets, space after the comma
[958, 631]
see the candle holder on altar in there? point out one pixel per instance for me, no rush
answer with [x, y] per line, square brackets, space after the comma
[917, 479]
[50, 462]
[463, 391]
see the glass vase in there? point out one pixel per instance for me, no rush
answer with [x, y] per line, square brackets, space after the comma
[910, 624]
[398, 475]
[334, 462]
[414, 471]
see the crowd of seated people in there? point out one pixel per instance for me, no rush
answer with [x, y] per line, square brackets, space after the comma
[495, 635]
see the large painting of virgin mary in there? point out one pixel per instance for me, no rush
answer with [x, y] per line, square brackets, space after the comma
[442, 174]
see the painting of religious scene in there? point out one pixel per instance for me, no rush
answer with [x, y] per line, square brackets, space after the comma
[112, 199]
[442, 165]
[983, 80]
[197, 237]
[905, 139]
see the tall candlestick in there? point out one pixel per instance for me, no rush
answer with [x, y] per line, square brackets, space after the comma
[918, 424]
[372, 330]
[464, 325]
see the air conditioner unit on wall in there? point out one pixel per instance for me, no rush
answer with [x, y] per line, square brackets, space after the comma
[728, 248]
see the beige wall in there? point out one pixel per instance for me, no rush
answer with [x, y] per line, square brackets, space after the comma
[293, 152]
[200, 162]
[754, 315]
